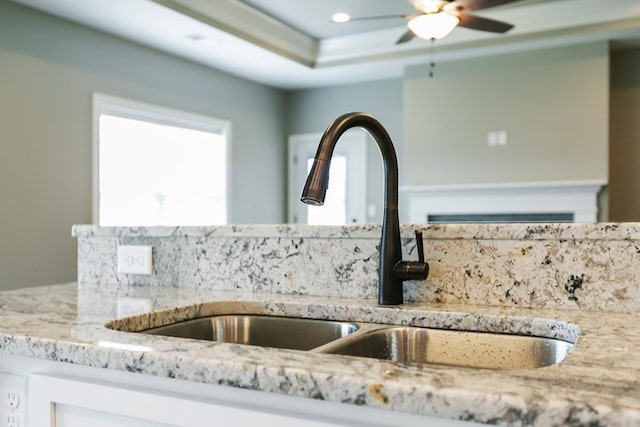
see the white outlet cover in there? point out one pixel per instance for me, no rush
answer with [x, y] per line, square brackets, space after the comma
[135, 260]
[13, 408]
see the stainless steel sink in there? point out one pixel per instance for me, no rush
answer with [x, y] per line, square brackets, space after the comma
[403, 344]
[265, 331]
[458, 348]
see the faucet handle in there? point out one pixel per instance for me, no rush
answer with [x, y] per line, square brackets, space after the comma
[420, 246]
[413, 270]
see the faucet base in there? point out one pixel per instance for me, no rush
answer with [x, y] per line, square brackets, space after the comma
[390, 284]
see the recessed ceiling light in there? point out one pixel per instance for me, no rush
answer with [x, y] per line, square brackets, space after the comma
[340, 17]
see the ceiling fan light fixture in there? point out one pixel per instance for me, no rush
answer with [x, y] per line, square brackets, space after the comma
[428, 6]
[433, 25]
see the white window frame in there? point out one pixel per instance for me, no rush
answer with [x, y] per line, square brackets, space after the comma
[353, 146]
[128, 108]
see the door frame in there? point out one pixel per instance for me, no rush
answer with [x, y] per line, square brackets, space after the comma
[353, 146]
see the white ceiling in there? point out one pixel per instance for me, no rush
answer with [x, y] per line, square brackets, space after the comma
[314, 18]
[292, 43]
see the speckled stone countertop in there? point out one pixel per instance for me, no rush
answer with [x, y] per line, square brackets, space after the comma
[597, 384]
[572, 266]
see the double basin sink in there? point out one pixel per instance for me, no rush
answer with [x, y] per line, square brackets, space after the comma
[403, 344]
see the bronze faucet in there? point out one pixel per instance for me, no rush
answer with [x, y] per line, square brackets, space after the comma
[392, 270]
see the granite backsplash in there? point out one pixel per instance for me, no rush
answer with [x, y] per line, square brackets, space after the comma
[573, 266]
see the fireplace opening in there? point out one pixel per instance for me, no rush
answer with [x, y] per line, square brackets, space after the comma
[500, 218]
[524, 202]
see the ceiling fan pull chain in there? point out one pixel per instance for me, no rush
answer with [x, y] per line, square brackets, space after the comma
[432, 63]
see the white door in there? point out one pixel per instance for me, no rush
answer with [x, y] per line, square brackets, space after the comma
[345, 201]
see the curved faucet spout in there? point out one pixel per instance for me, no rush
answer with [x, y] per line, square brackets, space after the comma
[392, 270]
[316, 186]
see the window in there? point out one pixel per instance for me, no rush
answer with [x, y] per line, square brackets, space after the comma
[346, 196]
[157, 166]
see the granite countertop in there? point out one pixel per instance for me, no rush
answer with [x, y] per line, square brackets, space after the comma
[597, 384]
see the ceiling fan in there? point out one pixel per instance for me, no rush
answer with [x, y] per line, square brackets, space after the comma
[434, 19]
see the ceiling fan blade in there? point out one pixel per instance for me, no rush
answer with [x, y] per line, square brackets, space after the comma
[483, 24]
[406, 37]
[475, 4]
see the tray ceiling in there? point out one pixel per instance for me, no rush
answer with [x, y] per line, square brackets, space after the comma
[292, 43]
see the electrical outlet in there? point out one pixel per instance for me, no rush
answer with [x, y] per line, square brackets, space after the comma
[13, 420]
[135, 260]
[13, 392]
[13, 399]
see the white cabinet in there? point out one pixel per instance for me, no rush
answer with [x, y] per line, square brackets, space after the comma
[71, 402]
[56, 394]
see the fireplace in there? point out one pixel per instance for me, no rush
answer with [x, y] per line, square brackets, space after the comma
[557, 201]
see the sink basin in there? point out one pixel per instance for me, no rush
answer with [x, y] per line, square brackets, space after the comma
[402, 344]
[265, 331]
[458, 348]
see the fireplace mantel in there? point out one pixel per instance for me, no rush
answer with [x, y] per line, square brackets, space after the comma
[579, 198]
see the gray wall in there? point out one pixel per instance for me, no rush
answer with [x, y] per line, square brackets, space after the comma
[624, 154]
[49, 69]
[552, 103]
[312, 110]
